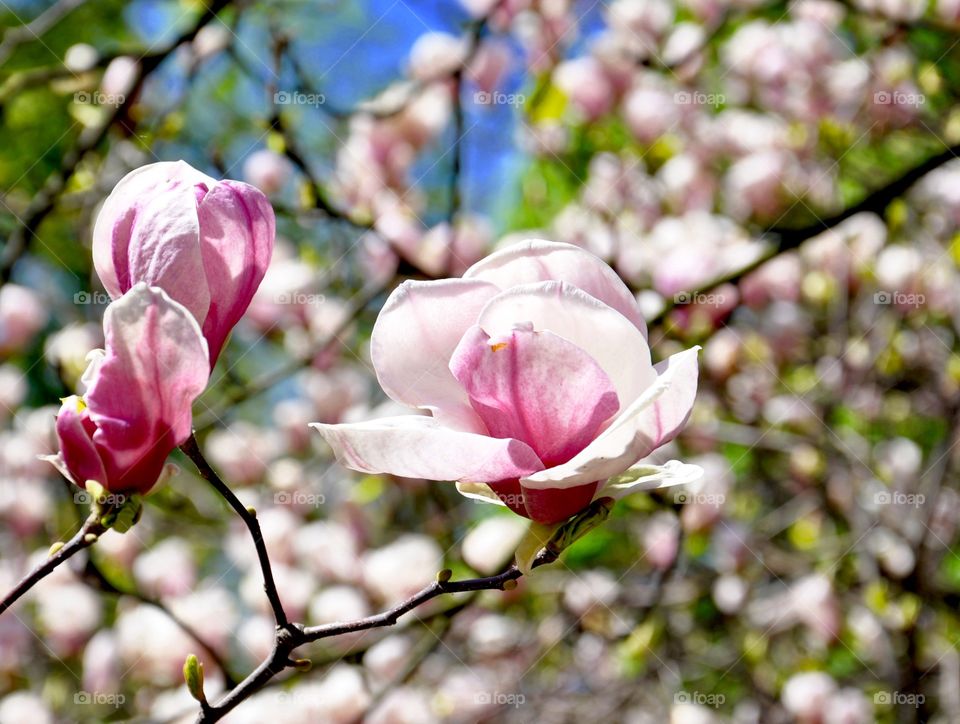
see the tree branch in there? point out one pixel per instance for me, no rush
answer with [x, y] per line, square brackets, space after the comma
[789, 238]
[192, 450]
[46, 199]
[83, 538]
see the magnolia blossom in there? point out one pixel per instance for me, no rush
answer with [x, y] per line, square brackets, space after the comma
[205, 243]
[536, 372]
[139, 394]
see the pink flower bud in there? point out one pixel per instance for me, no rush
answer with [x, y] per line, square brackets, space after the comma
[205, 243]
[140, 392]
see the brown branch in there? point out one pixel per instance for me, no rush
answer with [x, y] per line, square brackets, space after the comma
[192, 450]
[789, 238]
[96, 578]
[296, 635]
[45, 200]
[83, 538]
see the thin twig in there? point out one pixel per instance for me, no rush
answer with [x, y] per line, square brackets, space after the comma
[45, 200]
[788, 238]
[192, 450]
[290, 635]
[36, 27]
[83, 538]
[96, 578]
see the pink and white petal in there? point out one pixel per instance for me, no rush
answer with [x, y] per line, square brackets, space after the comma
[165, 250]
[537, 260]
[415, 334]
[602, 332]
[237, 229]
[480, 492]
[535, 387]
[111, 233]
[652, 420]
[415, 446]
[650, 477]
[156, 365]
[78, 458]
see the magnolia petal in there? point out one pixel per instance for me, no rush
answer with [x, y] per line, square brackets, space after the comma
[156, 365]
[651, 477]
[78, 459]
[652, 420]
[480, 492]
[112, 231]
[603, 333]
[415, 446]
[537, 260]
[237, 230]
[164, 250]
[414, 337]
[535, 387]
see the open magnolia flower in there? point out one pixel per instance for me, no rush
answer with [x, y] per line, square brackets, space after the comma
[206, 243]
[140, 391]
[537, 376]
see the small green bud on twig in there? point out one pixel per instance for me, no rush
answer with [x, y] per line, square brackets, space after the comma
[445, 575]
[193, 675]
